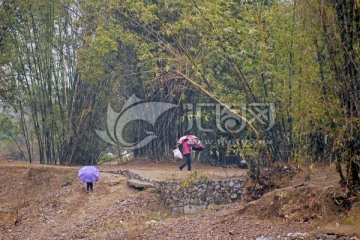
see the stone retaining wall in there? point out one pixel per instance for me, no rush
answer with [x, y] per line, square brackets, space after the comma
[200, 194]
[191, 196]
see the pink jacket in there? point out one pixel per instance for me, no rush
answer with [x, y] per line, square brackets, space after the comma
[186, 147]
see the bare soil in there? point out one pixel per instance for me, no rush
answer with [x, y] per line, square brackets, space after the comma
[49, 202]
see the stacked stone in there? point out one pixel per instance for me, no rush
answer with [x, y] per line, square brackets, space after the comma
[200, 194]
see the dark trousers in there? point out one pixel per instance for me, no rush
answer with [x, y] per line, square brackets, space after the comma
[89, 186]
[187, 162]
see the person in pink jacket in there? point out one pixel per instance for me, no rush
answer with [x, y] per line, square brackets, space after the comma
[186, 149]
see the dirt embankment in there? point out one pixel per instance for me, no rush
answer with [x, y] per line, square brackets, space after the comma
[43, 202]
[49, 202]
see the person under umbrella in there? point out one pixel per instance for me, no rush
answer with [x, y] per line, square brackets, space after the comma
[186, 148]
[89, 174]
[189, 142]
[89, 186]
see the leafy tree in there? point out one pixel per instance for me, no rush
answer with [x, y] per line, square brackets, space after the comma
[41, 41]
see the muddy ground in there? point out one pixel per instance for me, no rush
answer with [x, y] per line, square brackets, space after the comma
[49, 202]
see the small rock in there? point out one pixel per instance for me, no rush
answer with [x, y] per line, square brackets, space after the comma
[151, 222]
[297, 235]
[262, 238]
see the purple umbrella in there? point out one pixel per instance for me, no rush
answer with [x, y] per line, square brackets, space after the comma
[89, 174]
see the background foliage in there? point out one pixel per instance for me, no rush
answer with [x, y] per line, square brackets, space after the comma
[63, 61]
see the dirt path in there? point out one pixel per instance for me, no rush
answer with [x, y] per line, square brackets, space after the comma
[83, 213]
[61, 211]
[49, 202]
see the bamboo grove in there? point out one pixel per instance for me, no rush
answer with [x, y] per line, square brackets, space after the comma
[64, 61]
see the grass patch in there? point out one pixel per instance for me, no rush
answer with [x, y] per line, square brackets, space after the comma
[348, 220]
[195, 176]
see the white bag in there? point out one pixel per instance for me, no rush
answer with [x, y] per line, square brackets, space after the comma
[177, 153]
